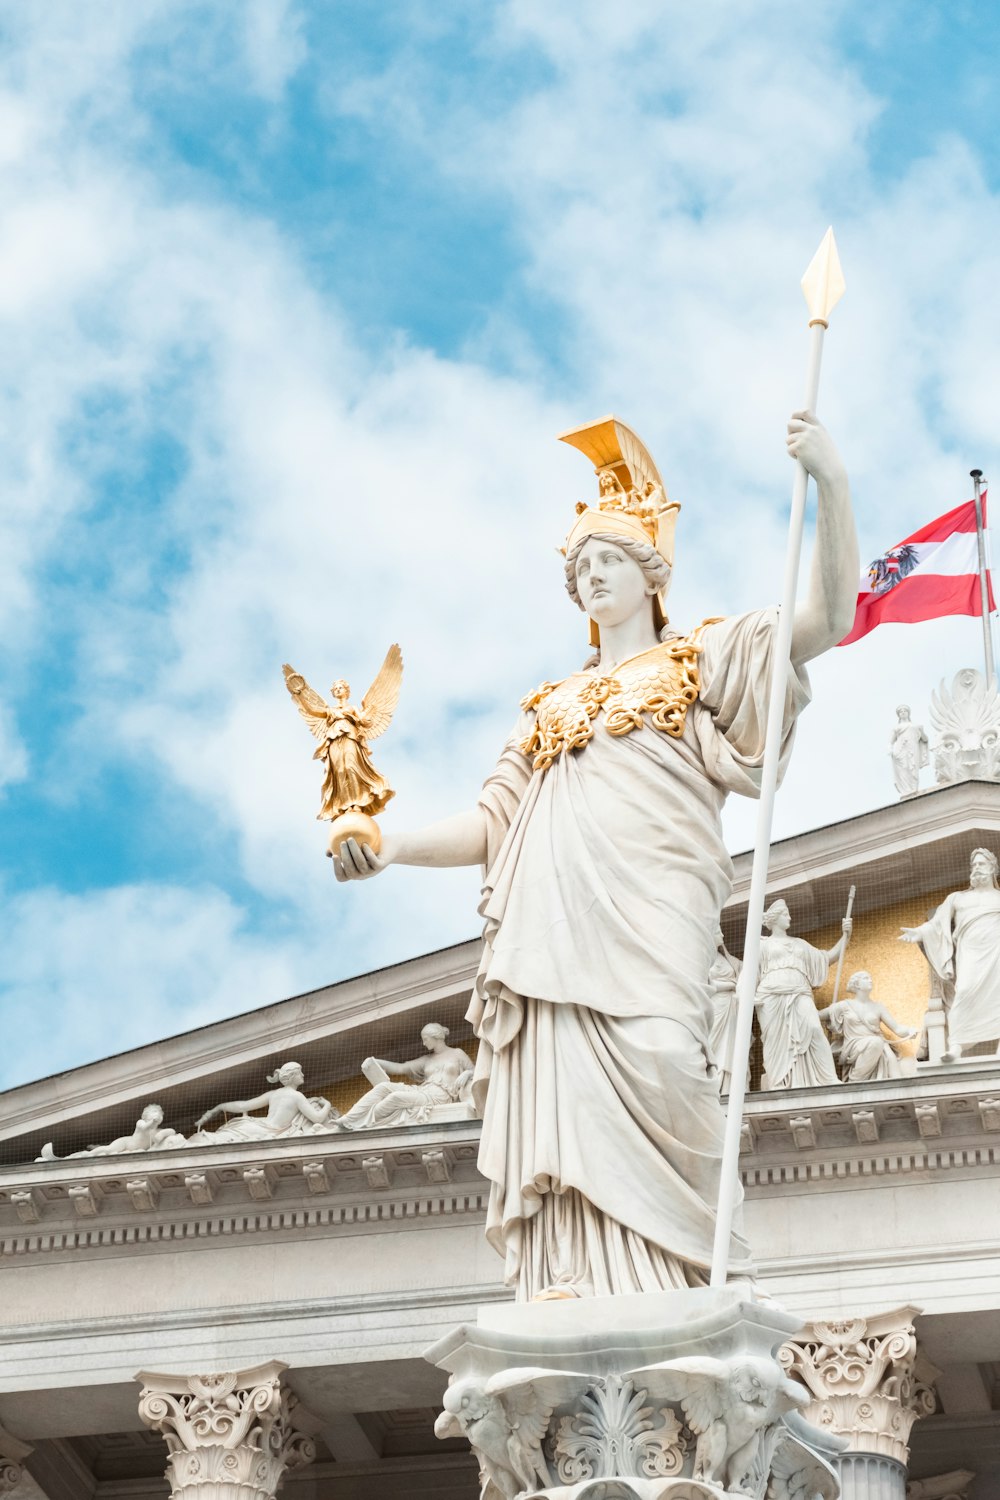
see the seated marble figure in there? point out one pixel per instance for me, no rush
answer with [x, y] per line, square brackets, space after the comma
[867, 1054]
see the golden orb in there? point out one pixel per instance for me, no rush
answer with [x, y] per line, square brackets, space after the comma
[354, 825]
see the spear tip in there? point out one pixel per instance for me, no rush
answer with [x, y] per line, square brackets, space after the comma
[823, 284]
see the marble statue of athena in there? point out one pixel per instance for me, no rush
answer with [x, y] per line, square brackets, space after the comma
[606, 871]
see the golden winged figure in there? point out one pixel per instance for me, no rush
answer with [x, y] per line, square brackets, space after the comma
[351, 785]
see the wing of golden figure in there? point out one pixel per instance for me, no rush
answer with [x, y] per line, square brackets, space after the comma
[311, 706]
[379, 703]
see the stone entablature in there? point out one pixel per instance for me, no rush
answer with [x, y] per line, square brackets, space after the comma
[801, 1141]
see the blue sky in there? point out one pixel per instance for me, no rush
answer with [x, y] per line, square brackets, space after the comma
[293, 300]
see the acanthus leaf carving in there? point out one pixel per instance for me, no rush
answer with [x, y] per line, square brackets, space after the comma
[613, 1433]
[234, 1429]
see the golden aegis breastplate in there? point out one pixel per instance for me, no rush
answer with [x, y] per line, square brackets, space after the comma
[662, 683]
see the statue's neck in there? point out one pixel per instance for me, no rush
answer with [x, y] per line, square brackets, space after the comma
[619, 642]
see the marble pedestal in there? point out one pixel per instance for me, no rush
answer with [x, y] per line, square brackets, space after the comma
[663, 1396]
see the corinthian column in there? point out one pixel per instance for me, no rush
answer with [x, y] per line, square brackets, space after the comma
[229, 1436]
[869, 1384]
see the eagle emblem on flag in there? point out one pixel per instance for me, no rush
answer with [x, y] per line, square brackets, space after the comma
[892, 567]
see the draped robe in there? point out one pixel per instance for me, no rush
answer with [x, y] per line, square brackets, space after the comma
[602, 1125]
[962, 943]
[797, 1054]
[867, 1055]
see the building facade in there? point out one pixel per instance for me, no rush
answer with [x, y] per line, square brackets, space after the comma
[305, 1275]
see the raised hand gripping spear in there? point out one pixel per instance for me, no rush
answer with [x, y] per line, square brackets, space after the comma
[823, 287]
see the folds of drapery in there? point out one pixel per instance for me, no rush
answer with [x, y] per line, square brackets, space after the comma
[962, 943]
[606, 876]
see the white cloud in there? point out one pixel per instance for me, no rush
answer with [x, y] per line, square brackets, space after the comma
[668, 181]
[93, 974]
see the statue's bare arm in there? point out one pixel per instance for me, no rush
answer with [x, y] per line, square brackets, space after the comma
[846, 928]
[826, 614]
[888, 1019]
[236, 1107]
[413, 1069]
[460, 840]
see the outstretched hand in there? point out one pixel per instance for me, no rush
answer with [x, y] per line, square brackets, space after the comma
[910, 934]
[356, 861]
[809, 442]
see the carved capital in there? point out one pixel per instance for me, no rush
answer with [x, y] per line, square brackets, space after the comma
[12, 1455]
[868, 1380]
[229, 1436]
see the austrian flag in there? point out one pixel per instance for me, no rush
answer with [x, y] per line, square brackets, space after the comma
[933, 572]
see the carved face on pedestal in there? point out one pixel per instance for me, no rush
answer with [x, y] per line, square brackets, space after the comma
[612, 586]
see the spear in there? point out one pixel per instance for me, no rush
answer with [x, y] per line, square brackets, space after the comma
[840, 955]
[823, 287]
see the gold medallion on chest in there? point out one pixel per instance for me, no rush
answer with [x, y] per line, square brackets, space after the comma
[659, 685]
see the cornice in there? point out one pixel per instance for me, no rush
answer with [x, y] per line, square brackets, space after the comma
[330, 1184]
[905, 831]
[945, 1121]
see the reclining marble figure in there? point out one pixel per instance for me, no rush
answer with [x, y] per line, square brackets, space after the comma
[289, 1112]
[149, 1134]
[442, 1078]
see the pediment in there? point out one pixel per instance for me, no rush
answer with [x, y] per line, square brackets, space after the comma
[913, 848]
[329, 1031]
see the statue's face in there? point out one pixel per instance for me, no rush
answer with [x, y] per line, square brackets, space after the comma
[862, 986]
[903, 714]
[612, 585]
[981, 872]
[432, 1040]
[779, 921]
[153, 1114]
[340, 690]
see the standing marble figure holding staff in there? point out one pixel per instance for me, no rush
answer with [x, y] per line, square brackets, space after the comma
[600, 833]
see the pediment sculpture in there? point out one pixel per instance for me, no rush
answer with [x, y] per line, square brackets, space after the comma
[438, 1087]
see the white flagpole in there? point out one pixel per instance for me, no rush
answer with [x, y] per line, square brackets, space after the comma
[823, 286]
[976, 476]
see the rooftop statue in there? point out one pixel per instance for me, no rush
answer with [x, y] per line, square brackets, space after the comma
[149, 1134]
[606, 871]
[289, 1112]
[867, 1054]
[353, 791]
[908, 752]
[961, 942]
[440, 1077]
[797, 1053]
